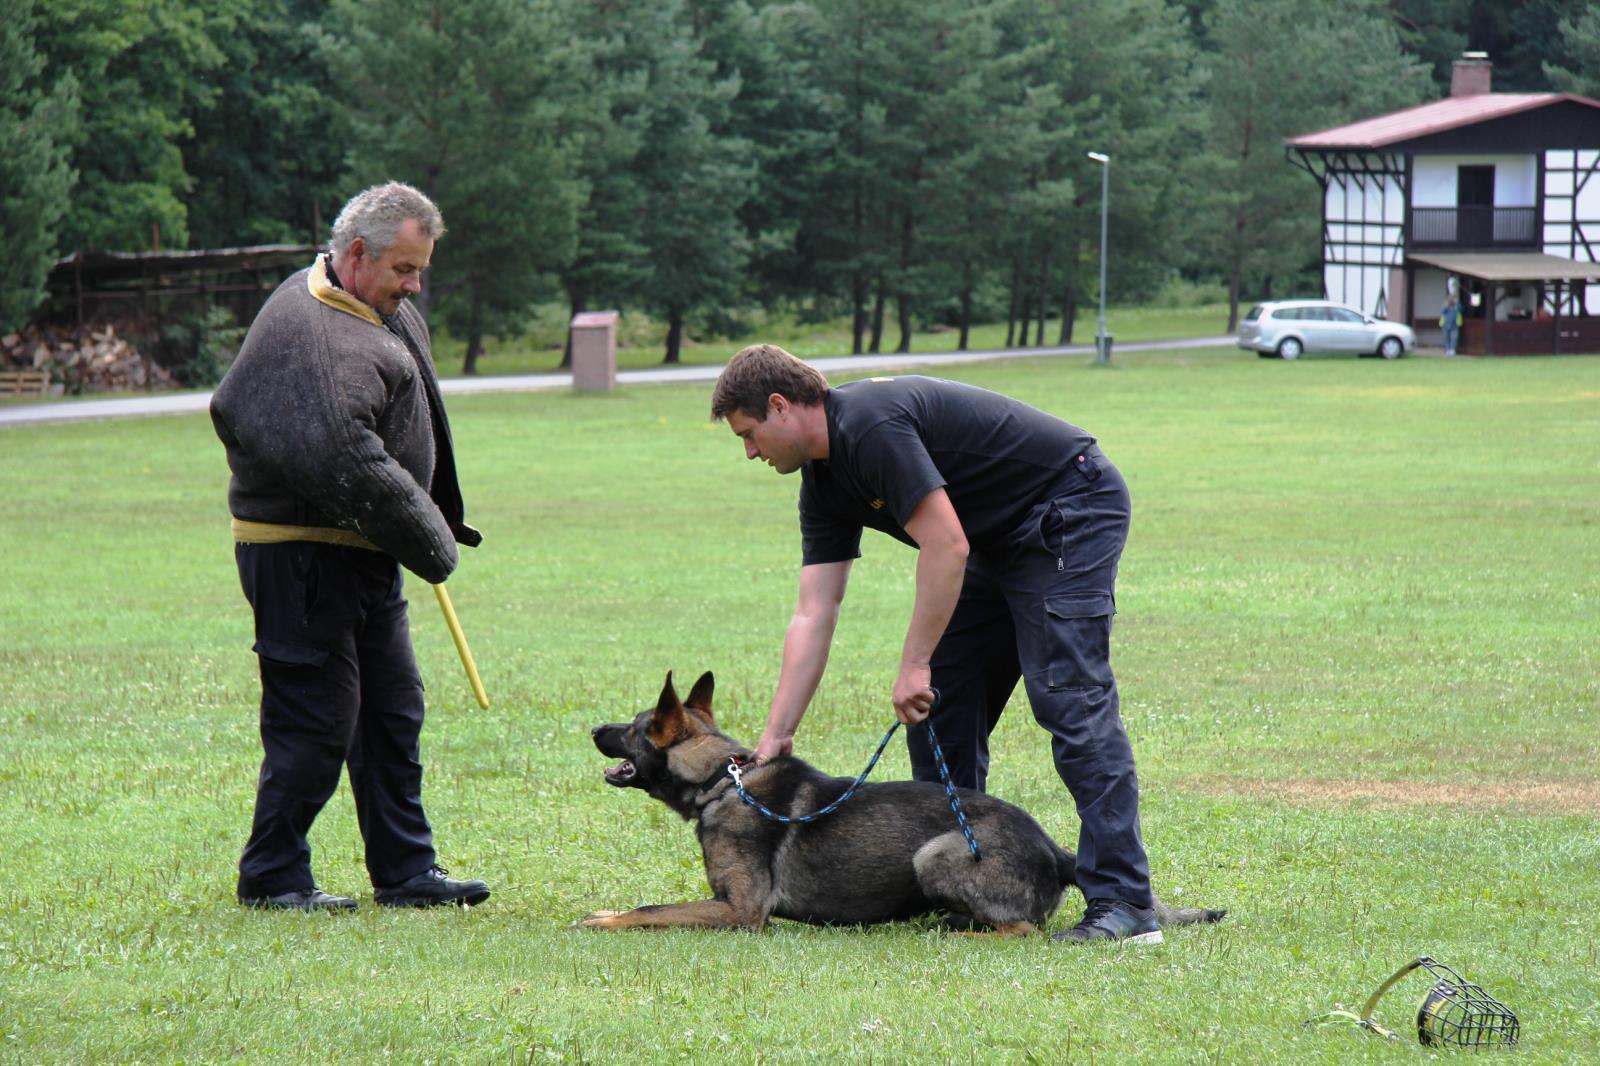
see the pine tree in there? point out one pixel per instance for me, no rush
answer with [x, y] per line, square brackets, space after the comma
[479, 122]
[1253, 211]
[36, 126]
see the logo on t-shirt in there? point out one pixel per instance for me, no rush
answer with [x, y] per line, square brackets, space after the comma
[877, 505]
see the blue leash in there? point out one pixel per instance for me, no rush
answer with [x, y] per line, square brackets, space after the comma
[736, 772]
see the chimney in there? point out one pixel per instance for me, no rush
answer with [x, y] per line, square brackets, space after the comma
[1470, 75]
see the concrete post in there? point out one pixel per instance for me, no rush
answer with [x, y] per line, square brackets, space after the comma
[594, 351]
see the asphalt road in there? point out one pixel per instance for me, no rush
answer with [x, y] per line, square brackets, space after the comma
[178, 403]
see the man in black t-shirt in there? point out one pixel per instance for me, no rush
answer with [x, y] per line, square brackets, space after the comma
[1019, 521]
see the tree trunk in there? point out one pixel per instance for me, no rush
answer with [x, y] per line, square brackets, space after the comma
[1235, 273]
[858, 210]
[858, 312]
[1236, 267]
[1025, 317]
[1044, 296]
[469, 365]
[879, 298]
[966, 309]
[580, 303]
[1069, 312]
[903, 298]
[1011, 313]
[674, 335]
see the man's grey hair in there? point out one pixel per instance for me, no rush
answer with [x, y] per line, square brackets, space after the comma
[376, 215]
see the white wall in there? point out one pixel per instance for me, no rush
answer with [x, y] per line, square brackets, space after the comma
[1363, 215]
[1433, 179]
[1364, 288]
[1572, 222]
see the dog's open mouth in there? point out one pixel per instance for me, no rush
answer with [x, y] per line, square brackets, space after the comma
[621, 774]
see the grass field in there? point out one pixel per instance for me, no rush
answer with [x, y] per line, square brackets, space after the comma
[1357, 644]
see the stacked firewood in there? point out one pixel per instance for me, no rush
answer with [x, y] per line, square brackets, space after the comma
[83, 358]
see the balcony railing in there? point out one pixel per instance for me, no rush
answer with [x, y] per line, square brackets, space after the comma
[1474, 226]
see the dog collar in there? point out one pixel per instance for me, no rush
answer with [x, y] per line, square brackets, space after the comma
[727, 770]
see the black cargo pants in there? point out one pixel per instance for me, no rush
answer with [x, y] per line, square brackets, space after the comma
[339, 687]
[1041, 608]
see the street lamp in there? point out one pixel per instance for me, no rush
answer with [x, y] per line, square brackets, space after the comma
[1102, 343]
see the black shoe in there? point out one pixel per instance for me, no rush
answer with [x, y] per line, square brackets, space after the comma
[431, 888]
[306, 899]
[1112, 919]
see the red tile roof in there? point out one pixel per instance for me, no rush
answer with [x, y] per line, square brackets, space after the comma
[1424, 119]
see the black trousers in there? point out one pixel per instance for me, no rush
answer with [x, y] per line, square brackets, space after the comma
[339, 688]
[1040, 608]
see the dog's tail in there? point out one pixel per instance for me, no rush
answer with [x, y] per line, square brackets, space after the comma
[1167, 915]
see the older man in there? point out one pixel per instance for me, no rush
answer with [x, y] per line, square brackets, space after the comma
[1019, 520]
[343, 472]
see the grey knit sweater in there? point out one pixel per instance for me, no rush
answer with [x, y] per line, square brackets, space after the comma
[332, 418]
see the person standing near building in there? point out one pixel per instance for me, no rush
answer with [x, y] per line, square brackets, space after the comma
[1019, 520]
[343, 472]
[1451, 320]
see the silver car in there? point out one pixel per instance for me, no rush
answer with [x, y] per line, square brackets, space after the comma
[1286, 328]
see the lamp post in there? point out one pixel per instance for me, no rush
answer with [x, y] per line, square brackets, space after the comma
[1102, 343]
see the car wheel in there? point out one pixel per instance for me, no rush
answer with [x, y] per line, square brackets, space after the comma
[1290, 348]
[1390, 348]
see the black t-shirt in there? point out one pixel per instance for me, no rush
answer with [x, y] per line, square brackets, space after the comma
[891, 441]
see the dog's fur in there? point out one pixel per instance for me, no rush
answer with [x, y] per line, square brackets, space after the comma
[892, 851]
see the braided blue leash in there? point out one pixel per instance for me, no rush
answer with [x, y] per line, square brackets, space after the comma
[736, 772]
[950, 791]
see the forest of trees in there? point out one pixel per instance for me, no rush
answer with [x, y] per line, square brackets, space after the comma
[895, 163]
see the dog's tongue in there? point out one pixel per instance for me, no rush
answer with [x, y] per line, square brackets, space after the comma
[620, 772]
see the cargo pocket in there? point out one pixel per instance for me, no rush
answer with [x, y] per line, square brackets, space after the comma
[1078, 631]
[297, 695]
[286, 653]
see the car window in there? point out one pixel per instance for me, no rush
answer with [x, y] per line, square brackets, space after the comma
[1310, 314]
[1253, 314]
[1290, 313]
[1342, 314]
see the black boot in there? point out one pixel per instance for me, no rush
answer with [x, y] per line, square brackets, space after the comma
[306, 899]
[1112, 919]
[431, 888]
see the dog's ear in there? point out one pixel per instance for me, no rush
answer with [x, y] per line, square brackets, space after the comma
[666, 724]
[700, 696]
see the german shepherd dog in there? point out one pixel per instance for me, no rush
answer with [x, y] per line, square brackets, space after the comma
[893, 851]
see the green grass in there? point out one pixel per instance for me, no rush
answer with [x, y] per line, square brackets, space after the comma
[1356, 645]
[640, 340]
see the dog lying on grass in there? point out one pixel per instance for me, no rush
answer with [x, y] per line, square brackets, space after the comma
[893, 851]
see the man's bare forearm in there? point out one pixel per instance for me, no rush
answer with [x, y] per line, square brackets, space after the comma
[805, 653]
[940, 572]
[805, 657]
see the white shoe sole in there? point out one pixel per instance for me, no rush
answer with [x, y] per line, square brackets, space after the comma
[1145, 938]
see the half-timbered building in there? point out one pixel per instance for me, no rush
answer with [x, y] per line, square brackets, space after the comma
[1495, 195]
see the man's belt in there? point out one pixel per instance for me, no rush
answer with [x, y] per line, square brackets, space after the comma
[248, 532]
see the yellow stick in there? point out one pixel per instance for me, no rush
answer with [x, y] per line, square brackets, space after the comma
[461, 645]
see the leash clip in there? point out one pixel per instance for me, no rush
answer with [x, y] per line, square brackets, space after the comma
[735, 771]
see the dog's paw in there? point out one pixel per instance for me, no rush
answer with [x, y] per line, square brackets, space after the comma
[598, 920]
